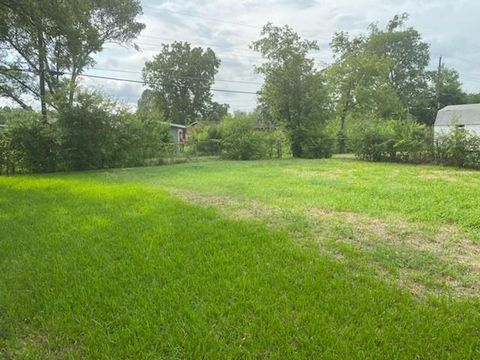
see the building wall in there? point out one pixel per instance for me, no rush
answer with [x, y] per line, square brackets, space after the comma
[438, 130]
[174, 134]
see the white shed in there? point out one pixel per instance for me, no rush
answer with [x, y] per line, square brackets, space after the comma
[463, 116]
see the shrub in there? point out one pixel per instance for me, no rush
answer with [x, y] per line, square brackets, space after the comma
[240, 139]
[277, 144]
[458, 148]
[392, 140]
[28, 144]
[94, 133]
[408, 141]
[89, 130]
[97, 133]
[142, 139]
[4, 151]
[208, 140]
[412, 142]
[317, 144]
[374, 141]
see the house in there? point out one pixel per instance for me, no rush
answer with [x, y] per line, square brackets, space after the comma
[178, 133]
[181, 133]
[461, 116]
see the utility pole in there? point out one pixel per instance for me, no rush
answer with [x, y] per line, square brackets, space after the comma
[439, 82]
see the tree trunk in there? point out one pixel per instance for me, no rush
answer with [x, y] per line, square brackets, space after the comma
[341, 134]
[296, 144]
[41, 70]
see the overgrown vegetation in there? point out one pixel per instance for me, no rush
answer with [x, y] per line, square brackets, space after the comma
[372, 100]
[93, 133]
[241, 137]
[458, 148]
[411, 142]
[240, 140]
[393, 140]
[40, 41]
[294, 94]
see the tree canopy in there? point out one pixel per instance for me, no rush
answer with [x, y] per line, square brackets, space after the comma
[294, 93]
[409, 57]
[180, 78]
[42, 40]
[383, 73]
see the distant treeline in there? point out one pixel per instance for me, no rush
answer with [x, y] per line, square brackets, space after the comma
[376, 99]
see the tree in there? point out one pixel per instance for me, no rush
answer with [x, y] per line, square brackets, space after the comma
[294, 92]
[451, 92]
[148, 102]
[180, 79]
[381, 74]
[444, 88]
[409, 57]
[449, 88]
[359, 82]
[42, 40]
[472, 98]
[216, 112]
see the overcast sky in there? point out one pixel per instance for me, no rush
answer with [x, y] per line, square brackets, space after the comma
[451, 27]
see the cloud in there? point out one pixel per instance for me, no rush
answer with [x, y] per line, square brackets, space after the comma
[229, 26]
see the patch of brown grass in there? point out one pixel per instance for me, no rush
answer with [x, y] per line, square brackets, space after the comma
[459, 177]
[322, 174]
[35, 343]
[447, 243]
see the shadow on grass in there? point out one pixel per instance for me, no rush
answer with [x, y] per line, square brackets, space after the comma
[97, 271]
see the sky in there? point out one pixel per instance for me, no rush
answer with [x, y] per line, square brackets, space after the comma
[451, 27]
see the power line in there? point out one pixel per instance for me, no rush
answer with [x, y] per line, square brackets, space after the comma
[141, 82]
[182, 77]
[222, 54]
[236, 48]
[214, 46]
[205, 18]
[259, 28]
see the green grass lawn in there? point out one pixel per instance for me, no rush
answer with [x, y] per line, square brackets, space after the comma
[268, 259]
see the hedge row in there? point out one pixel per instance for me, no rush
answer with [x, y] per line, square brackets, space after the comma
[408, 141]
[91, 135]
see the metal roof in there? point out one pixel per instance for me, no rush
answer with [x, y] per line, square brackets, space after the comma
[468, 114]
[178, 126]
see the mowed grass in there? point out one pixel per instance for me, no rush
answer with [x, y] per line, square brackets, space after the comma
[112, 265]
[436, 195]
